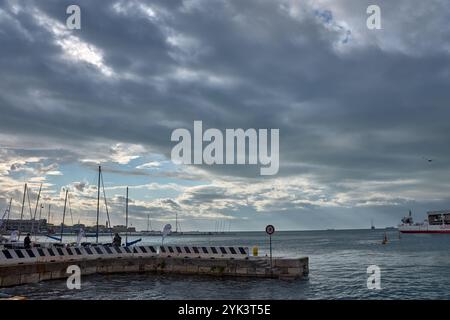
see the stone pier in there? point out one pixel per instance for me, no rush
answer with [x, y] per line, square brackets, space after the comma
[282, 268]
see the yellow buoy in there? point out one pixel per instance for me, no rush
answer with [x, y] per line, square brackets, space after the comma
[385, 239]
[255, 251]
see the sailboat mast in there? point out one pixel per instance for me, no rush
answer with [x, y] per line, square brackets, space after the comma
[37, 201]
[23, 206]
[98, 201]
[35, 210]
[39, 220]
[5, 218]
[9, 211]
[126, 220]
[48, 218]
[176, 222]
[148, 222]
[64, 215]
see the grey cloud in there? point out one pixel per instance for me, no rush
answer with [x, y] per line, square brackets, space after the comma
[80, 186]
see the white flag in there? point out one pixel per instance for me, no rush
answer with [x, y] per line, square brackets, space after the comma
[167, 229]
[14, 236]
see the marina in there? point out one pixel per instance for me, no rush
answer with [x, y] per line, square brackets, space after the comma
[26, 261]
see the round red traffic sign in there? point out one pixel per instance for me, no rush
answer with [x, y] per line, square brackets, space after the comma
[270, 229]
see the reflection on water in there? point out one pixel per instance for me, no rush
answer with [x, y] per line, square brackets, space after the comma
[413, 267]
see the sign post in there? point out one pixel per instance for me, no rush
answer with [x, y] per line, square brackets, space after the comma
[270, 229]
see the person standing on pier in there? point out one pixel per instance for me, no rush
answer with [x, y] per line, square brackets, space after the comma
[117, 241]
[27, 242]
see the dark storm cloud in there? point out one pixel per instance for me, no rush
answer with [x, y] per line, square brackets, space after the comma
[305, 88]
[350, 104]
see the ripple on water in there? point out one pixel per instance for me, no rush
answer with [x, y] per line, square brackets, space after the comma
[413, 267]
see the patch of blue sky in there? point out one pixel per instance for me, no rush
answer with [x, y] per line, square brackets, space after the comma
[117, 175]
[326, 16]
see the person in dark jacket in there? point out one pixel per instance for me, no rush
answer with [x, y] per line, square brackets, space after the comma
[117, 241]
[27, 242]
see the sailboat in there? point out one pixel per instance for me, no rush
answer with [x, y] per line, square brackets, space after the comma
[372, 225]
[81, 232]
[150, 231]
[62, 223]
[14, 239]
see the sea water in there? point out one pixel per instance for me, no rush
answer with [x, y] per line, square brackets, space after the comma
[412, 267]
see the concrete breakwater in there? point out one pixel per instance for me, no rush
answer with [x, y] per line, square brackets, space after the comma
[17, 267]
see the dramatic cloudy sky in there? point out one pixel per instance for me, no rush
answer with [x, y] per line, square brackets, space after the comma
[360, 111]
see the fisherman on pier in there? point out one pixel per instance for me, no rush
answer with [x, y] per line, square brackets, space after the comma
[117, 241]
[27, 242]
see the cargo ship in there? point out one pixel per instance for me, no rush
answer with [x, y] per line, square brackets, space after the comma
[436, 222]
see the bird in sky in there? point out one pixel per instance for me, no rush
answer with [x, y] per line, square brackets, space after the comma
[427, 159]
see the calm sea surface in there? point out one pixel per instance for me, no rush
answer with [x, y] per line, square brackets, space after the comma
[412, 267]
